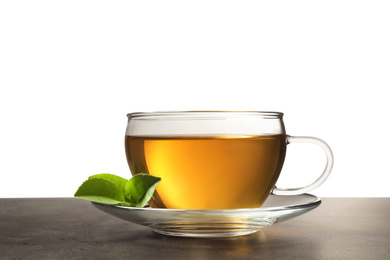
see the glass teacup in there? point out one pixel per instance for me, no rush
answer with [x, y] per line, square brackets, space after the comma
[213, 159]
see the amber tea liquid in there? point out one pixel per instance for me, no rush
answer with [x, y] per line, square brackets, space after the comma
[221, 172]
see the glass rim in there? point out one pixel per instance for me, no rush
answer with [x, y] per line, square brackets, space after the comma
[202, 113]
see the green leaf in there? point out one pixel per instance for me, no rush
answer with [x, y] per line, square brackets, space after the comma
[119, 181]
[140, 189]
[111, 189]
[102, 191]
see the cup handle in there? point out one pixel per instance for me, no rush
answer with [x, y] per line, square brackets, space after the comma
[324, 175]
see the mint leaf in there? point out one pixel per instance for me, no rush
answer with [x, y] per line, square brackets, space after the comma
[111, 189]
[102, 191]
[140, 189]
[119, 181]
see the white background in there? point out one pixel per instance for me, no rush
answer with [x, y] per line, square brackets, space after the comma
[70, 71]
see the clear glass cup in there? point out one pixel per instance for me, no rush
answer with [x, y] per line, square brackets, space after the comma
[213, 159]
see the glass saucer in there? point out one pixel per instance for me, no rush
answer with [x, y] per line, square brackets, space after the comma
[215, 223]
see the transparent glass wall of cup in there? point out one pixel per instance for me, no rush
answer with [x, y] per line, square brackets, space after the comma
[213, 159]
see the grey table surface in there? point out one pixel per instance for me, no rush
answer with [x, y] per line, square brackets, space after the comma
[69, 228]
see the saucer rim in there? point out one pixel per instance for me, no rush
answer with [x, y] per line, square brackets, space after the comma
[315, 202]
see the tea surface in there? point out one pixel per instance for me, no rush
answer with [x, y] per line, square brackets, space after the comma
[222, 172]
